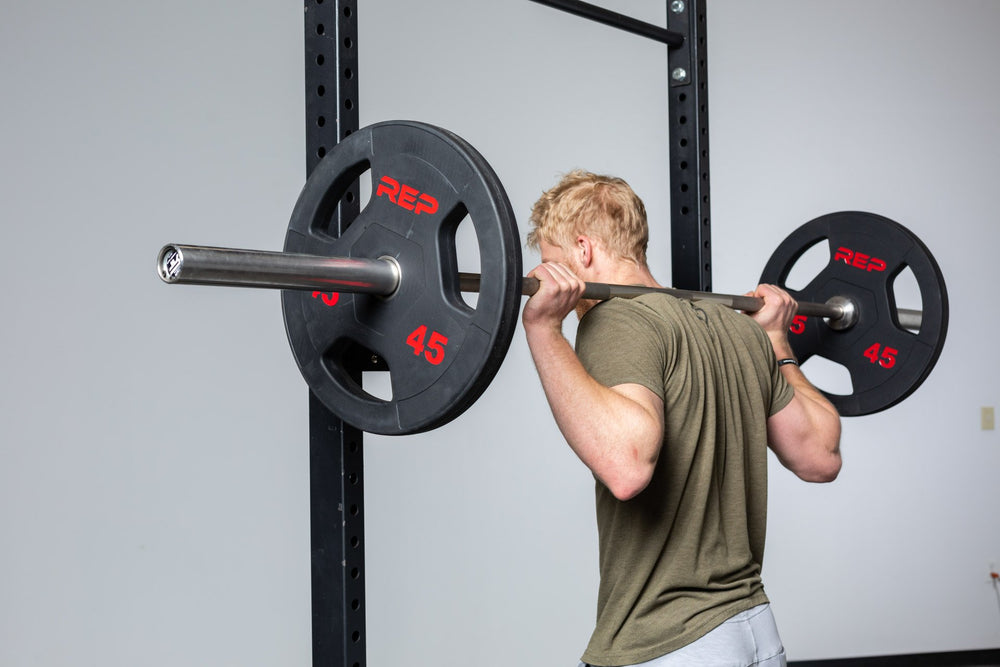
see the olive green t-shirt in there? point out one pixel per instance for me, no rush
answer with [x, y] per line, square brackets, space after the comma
[686, 553]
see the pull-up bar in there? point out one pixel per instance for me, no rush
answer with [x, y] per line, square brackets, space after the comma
[608, 17]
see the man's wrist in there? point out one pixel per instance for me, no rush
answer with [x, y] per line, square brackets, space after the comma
[782, 348]
[543, 330]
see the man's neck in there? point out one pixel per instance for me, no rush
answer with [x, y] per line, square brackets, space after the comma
[614, 272]
[622, 273]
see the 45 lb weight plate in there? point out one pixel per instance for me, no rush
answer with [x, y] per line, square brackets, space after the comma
[441, 353]
[868, 252]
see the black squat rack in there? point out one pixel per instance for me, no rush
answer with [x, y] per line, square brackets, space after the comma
[336, 449]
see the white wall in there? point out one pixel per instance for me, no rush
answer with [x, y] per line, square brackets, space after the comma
[153, 439]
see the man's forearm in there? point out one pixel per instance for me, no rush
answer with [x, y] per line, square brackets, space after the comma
[800, 383]
[820, 440]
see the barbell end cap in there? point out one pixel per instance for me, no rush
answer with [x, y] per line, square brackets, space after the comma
[848, 313]
[396, 271]
[170, 263]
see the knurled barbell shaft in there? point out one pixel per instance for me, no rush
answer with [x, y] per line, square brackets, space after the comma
[204, 265]
[469, 282]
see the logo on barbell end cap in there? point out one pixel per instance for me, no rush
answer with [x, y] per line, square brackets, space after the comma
[170, 265]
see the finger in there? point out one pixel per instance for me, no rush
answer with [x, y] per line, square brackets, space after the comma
[546, 271]
[765, 290]
[564, 277]
[774, 294]
[561, 270]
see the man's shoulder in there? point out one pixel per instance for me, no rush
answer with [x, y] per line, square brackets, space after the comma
[648, 306]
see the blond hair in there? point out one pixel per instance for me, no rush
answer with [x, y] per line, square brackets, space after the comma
[602, 207]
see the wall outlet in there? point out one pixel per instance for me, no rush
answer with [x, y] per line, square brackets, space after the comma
[987, 420]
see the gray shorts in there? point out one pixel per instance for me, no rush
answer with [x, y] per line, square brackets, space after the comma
[748, 639]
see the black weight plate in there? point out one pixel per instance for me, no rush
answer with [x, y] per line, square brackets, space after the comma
[441, 353]
[886, 361]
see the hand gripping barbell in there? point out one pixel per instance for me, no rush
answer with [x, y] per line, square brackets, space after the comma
[388, 288]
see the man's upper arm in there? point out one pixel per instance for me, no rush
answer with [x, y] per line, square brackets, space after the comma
[805, 438]
[648, 400]
[641, 436]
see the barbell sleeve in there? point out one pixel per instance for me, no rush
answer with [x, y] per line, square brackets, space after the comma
[205, 265]
[232, 267]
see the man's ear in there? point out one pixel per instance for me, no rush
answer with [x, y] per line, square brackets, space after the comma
[584, 250]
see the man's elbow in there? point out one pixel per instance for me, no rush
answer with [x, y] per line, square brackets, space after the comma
[627, 489]
[820, 475]
[627, 484]
[823, 469]
[824, 466]
[629, 470]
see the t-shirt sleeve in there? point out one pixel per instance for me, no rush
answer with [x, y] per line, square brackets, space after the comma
[782, 393]
[617, 345]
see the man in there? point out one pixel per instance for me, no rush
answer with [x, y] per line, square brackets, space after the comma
[672, 405]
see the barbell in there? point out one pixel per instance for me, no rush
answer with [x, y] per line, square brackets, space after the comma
[386, 293]
[235, 267]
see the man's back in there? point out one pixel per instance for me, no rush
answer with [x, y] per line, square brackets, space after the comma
[685, 554]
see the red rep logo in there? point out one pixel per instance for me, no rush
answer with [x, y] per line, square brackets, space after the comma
[859, 260]
[406, 196]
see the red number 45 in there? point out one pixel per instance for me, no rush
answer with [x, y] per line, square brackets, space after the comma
[887, 359]
[433, 349]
